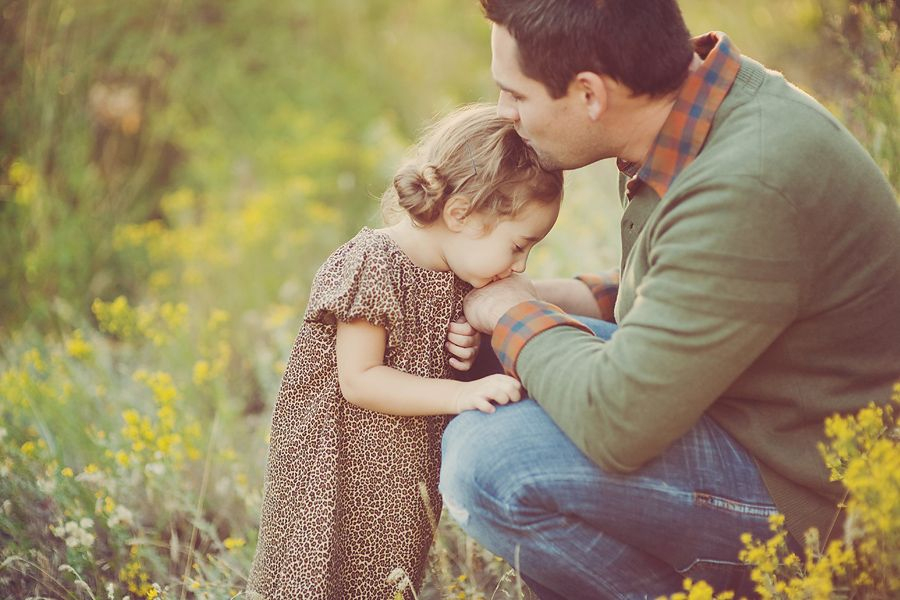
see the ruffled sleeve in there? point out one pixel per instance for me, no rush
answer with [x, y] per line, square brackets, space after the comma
[357, 282]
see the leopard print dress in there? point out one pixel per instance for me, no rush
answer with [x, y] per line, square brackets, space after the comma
[350, 495]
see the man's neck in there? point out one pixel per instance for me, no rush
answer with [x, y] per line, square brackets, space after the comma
[646, 117]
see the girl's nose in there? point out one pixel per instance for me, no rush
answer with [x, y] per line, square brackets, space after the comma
[519, 265]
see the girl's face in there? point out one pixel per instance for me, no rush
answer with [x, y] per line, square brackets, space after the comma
[485, 250]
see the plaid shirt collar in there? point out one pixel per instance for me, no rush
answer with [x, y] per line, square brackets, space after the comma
[684, 132]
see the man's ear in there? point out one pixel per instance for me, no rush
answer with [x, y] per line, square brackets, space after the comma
[592, 90]
[456, 212]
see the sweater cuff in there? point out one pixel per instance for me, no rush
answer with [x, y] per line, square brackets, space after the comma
[521, 323]
[605, 288]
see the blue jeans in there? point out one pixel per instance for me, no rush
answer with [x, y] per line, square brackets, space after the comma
[518, 485]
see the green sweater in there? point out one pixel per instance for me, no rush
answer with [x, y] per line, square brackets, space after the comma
[763, 289]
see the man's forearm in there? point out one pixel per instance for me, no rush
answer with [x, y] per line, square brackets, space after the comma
[571, 295]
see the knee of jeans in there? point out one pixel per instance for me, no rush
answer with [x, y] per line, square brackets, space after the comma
[458, 465]
[476, 476]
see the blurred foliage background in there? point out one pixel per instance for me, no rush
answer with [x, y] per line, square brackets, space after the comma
[171, 175]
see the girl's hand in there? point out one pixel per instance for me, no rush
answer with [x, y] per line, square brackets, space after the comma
[462, 343]
[478, 394]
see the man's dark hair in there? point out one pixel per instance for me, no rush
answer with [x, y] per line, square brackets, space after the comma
[643, 44]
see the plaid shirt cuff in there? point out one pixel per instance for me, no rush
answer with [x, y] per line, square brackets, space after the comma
[521, 323]
[605, 288]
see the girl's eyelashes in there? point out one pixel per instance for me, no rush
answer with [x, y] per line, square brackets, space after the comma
[518, 248]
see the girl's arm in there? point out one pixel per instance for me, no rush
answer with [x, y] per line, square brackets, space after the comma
[368, 383]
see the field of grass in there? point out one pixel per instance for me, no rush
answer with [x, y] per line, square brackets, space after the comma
[171, 175]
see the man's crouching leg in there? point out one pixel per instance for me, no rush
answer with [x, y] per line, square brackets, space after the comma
[517, 484]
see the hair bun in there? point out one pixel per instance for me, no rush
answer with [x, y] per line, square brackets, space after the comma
[419, 191]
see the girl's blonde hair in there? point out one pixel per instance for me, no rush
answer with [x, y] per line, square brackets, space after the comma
[475, 154]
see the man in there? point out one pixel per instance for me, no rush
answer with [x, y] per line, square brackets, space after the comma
[759, 293]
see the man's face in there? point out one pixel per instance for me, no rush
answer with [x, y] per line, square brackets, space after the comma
[556, 128]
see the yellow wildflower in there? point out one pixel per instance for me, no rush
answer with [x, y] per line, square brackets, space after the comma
[33, 359]
[177, 203]
[776, 521]
[131, 417]
[232, 543]
[122, 458]
[24, 177]
[160, 280]
[116, 317]
[174, 315]
[320, 213]
[78, 347]
[216, 318]
[201, 372]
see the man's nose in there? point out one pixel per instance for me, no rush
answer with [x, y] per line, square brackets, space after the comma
[506, 107]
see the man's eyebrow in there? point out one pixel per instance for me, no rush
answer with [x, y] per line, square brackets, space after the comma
[506, 88]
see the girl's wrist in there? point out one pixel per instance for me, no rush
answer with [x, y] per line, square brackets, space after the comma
[456, 398]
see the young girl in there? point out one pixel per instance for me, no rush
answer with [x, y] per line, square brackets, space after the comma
[350, 499]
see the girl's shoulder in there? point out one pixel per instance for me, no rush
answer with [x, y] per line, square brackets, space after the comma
[370, 250]
[370, 277]
[375, 254]
[370, 241]
[358, 281]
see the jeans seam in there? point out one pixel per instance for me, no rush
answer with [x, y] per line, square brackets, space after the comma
[709, 561]
[730, 505]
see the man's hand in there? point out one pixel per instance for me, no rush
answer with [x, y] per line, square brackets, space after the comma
[462, 343]
[485, 306]
[478, 394]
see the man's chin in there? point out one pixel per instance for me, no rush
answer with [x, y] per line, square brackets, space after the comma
[547, 162]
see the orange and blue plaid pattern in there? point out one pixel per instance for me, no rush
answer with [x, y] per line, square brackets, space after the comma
[684, 132]
[521, 323]
[605, 288]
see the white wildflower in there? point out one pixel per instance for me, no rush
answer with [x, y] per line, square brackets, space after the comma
[47, 486]
[76, 534]
[155, 468]
[399, 579]
[95, 477]
[120, 515]
[222, 485]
